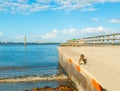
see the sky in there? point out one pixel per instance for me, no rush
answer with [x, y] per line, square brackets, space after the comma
[57, 20]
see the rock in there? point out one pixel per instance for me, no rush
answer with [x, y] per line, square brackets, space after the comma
[26, 90]
[59, 88]
[35, 89]
[64, 88]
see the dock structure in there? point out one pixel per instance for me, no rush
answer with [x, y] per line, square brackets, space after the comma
[102, 70]
[25, 42]
[109, 39]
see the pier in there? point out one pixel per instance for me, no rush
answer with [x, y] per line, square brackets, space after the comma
[109, 39]
[102, 70]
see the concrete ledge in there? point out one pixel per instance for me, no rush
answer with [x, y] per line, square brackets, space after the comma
[83, 80]
[101, 71]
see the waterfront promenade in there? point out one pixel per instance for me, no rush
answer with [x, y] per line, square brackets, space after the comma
[103, 64]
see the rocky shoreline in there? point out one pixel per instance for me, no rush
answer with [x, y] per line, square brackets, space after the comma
[59, 88]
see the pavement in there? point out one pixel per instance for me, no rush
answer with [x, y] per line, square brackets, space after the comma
[103, 63]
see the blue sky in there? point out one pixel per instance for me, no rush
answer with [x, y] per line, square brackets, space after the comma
[57, 20]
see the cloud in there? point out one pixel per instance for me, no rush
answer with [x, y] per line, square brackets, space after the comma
[114, 21]
[37, 7]
[27, 7]
[57, 35]
[70, 31]
[21, 6]
[95, 19]
[20, 37]
[85, 32]
[23, 1]
[44, 1]
[1, 34]
[88, 9]
[83, 5]
[50, 35]
[94, 30]
[67, 34]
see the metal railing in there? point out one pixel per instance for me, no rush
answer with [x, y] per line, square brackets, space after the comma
[109, 39]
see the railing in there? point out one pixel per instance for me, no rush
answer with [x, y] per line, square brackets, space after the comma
[109, 39]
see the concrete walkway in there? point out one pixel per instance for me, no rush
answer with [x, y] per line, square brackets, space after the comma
[103, 63]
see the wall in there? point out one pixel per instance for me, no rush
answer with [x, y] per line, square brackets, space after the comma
[82, 79]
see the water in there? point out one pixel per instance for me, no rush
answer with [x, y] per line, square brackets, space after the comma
[30, 85]
[36, 65]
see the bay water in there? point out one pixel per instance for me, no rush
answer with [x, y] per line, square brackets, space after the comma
[34, 66]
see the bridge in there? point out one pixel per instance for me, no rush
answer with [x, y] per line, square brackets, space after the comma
[102, 70]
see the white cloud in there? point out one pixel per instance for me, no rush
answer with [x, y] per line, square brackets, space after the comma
[95, 19]
[66, 34]
[21, 6]
[43, 1]
[88, 9]
[20, 37]
[50, 35]
[84, 5]
[114, 0]
[114, 21]
[94, 30]
[69, 31]
[1, 34]
[2, 9]
[59, 35]
[37, 7]
[23, 1]
[85, 32]
[27, 7]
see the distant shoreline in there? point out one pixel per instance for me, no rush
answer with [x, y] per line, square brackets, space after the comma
[33, 43]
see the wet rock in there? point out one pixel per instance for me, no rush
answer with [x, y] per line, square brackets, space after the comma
[26, 90]
[64, 88]
[59, 88]
[35, 89]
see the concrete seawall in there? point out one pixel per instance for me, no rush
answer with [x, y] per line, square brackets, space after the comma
[97, 74]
